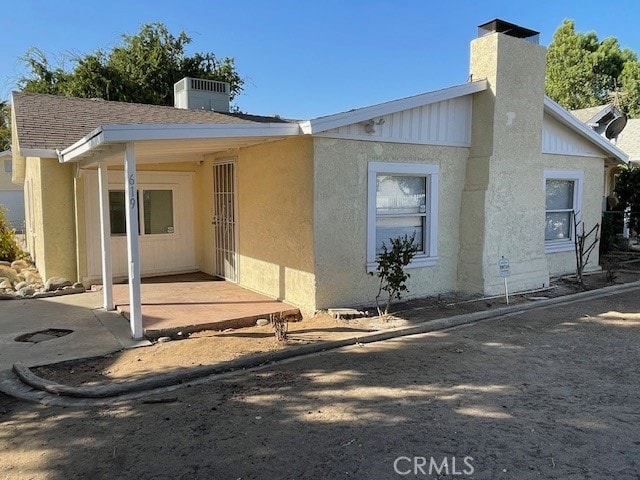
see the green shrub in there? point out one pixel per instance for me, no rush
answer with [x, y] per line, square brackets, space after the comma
[391, 269]
[9, 249]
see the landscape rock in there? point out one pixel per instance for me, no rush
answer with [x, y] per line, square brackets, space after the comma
[5, 283]
[78, 285]
[20, 285]
[56, 283]
[261, 322]
[5, 263]
[164, 339]
[19, 265]
[26, 292]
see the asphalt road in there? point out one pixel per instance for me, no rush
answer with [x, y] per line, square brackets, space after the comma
[550, 393]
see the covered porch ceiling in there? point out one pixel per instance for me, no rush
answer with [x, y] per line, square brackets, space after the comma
[169, 143]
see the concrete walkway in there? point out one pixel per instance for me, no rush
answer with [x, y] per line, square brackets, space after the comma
[95, 332]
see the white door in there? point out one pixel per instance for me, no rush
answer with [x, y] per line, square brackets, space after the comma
[224, 220]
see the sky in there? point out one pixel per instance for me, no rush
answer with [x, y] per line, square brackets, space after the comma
[304, 59]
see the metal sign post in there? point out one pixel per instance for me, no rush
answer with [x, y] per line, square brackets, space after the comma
[505, 271]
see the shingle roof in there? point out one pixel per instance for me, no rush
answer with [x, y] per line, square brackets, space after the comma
[629, 139]
[51, 122]
[586, 114]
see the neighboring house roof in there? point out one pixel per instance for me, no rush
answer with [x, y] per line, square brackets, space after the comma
[50, 122]
[590, 114]
[629, 139]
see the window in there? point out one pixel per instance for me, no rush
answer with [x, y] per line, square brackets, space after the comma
[117, 212]
[7, 166]
[563, 200]
[156, 211]
[402, 200]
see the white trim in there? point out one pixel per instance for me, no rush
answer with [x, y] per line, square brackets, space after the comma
[577, 176]
[322, 124]
[38, 152]
[430, 257]
[569, 120]
[344, 136]
[105, 237]
[116, 133]
[133, 250]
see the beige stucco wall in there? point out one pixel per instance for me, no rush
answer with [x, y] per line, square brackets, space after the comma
[340, 218]
[591, 209]
[275, 219]
[54, 243]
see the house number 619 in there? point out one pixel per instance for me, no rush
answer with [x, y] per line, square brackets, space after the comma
[132, 197]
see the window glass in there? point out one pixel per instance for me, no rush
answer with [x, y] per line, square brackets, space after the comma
[117, 212]
[560, 194]
[400, 195]
[7, 166]
[158, 211]
[559, 206]
[400, 209]
[390, 227]
[558, 226]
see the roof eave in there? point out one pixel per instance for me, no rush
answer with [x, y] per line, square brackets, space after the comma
[119, 134]
[570, 121]
[322, 124]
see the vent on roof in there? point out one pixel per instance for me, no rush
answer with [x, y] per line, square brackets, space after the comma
[511, 29]
[201, 94]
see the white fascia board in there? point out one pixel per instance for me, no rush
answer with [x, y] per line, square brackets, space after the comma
[567, 119]
[322, 124]
[38, 152]
[111, 134]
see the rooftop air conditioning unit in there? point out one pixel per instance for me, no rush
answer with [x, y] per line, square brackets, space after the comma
[200, 94]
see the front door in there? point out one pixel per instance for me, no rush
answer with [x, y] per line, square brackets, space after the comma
[224, 220]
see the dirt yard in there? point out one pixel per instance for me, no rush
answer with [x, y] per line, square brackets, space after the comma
[210, 347]
[551, 393]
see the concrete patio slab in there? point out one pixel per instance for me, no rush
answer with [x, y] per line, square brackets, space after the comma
[197, 301]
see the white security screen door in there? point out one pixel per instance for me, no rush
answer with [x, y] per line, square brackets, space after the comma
[224, 220]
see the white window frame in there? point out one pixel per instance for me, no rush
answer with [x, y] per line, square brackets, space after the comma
[141, 226]
[430, 240]
[577, 176]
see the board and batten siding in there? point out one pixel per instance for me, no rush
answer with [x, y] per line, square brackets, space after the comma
[559, 140]
[442, 123]
[159, 254]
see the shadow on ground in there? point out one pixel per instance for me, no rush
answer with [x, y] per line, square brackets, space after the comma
[549, 393]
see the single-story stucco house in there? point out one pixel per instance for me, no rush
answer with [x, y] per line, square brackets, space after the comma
[298, 210]
[11, 195]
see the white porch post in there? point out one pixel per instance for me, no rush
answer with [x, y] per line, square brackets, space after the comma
[133, 254]
[105, 237]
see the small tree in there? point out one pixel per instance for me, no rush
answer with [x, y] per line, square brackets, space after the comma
[584, 245]
[9, 249]
[391, 269]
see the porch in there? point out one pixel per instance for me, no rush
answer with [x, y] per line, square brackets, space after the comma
[196, 301]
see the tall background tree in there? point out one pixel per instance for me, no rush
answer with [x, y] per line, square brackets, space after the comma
[141, 69]
[5, 126]
[583, 71]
